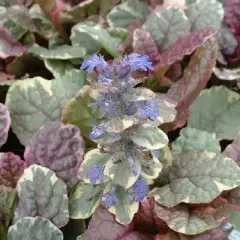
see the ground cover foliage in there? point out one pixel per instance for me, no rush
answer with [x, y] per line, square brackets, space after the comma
[119, 120]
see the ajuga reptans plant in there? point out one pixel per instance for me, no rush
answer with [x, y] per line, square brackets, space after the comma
[128, 136]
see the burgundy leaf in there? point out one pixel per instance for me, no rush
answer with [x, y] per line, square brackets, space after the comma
[144, 44]
[195, 78]
[185, 45]
[58, 147]
[227, 41]
[216, 234]
[146, 219]
[5, 122]
[5, 77]
[9, 45]
[104, 226]
[233, 151]
[232, 12]
[11, 169]
[174, 72]
[127, 45]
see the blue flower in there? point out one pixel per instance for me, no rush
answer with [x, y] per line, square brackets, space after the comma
[137, 62]
[131, 163]
[93, 62]
[110, 198]
[95, 173]
[141, 190]
[149, 109]
[97, 131]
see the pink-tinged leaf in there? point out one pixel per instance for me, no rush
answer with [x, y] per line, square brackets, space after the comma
[147, 220]
[193, 220]
[233, 151]
[185, 45]
[175, 3]
[137, 236]
[126, 46]
[232, 12]
[58, 147]
[195, 78]
[216, 234]
[5, 122]
[144, 44]
[9, 45]
[11, 169]
[42, 193]
[104, 226]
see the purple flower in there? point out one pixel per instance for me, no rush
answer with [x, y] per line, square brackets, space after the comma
[108, 103]
[95, 173]
[97, 131]
[110, 198]
[149, 109]
[94, 61]
[131, 163]
[155, 153]
[137, 62]
[141, 190]
[104, 81]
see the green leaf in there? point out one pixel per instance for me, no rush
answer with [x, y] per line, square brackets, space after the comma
[191, 138]
[125, 210]
[152, 171]
[223, 104]
[3, 12]
[92, 157]
[116, 125]
[197, 177]
[5, 3]
[58, 68]
[20, 16]
[82, 237]
[166, 25]
[121, 33]
[8, 198]
[46, 29]
[63, 52]
[149, 137]
[190, 222]
[138, 94]
[205, 13]
[77, 112]
[37, 228]
[42, 193]
[125, 13]
[36, 101]
[235, 219]
[16, 30]
[84, 199]
[93, 38]
[121, 173]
